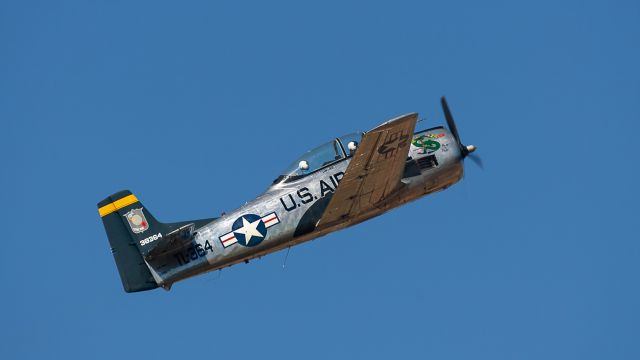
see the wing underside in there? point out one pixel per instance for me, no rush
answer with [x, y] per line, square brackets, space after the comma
[374, 173]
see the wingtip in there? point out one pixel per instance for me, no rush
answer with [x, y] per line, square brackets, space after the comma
[413, 116]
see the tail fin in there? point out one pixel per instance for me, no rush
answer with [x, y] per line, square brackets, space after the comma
[125, 218]
[135, 236]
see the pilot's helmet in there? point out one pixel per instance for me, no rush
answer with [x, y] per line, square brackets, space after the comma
[303, 165]
[352, 146]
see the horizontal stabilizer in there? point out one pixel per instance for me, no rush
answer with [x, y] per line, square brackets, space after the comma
[172, 242]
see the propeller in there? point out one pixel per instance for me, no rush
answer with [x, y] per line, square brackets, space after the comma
[464, 150]
[477, 160]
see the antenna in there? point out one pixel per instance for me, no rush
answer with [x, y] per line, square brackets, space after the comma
[219, 271]
[284, 263]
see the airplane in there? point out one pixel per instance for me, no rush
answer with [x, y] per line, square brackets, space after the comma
[341, 183]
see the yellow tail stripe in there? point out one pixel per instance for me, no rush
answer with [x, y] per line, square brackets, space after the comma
[117, 205]
[106, 210]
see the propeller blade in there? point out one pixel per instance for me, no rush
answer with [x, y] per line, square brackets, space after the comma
[452, 125]
[477, 160]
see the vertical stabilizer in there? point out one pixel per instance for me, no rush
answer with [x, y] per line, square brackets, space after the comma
[124, 217]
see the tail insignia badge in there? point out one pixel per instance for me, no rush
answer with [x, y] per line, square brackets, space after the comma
[137, 221]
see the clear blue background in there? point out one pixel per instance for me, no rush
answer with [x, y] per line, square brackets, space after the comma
[197, 106]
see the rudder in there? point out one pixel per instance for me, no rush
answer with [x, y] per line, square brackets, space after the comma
[123, 218]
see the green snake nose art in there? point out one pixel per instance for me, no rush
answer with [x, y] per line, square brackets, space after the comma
[423, 142]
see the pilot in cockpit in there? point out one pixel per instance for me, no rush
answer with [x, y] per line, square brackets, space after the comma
[320, 157]
[352, 146]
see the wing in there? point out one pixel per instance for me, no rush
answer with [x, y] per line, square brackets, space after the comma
[375, 171]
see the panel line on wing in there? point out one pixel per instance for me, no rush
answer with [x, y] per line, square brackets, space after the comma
[374, 173]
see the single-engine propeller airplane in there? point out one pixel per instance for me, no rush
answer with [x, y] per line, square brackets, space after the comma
[344, 182]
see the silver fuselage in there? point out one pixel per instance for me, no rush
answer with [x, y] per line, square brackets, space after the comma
[428, 173]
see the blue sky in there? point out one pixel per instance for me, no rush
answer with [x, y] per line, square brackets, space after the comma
[197, 106]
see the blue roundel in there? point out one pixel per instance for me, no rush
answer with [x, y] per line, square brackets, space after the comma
[249, 230]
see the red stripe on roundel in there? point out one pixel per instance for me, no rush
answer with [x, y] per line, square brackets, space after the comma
[229, 239]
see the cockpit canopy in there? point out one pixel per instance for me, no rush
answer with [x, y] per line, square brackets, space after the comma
[320, 157]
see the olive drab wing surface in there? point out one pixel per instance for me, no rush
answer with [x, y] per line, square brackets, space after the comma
[343, 182]
[374, 173]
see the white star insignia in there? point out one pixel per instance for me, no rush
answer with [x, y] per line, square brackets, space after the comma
[249, 229]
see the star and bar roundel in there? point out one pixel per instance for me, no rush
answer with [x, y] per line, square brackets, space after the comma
[249, 230]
